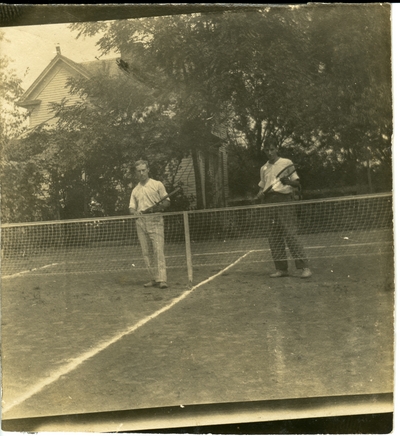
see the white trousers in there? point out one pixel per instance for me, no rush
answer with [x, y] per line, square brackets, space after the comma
[150, 231]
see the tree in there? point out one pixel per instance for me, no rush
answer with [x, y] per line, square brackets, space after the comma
[316, 78]
[17, 191]
[324, 89]
[267, 72]
[357, 87]
[95, 143]
[182, 55]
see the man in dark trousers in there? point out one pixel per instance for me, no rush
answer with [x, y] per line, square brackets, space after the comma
[282, 221]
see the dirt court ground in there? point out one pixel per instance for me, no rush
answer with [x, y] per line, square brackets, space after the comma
[85, 343]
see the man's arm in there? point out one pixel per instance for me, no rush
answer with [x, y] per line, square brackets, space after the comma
[164, 201]
[293, 183]
[165, 204]
[261, 185]
[133, 205]
[260, 194]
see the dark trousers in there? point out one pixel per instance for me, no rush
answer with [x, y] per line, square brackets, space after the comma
[282, 232]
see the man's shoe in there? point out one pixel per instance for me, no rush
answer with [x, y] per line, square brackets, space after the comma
[279, 273]
[163, 285]
[306, 273]
[151, 284]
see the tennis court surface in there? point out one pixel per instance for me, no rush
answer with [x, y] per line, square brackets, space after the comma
[83, 339]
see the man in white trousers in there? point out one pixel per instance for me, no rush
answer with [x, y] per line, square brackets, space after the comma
[150, 225]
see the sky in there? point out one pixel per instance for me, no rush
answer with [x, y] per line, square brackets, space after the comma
[31, 48]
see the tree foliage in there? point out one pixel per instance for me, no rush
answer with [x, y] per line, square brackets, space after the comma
[15, 175]
[328, 93]
[316, 77]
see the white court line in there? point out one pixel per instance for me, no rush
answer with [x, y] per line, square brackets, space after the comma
[310, 247]
[347, 245]
[267, 249]
[29, 270]
[198, 265]
[74, 363]
[259, 250]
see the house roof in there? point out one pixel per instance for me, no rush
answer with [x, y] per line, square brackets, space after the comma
[93, 67]
[86, 69]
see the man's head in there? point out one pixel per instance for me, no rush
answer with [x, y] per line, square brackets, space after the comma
[142, 170]
[271, 150]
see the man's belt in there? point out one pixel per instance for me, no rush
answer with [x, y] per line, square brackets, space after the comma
[277, 197]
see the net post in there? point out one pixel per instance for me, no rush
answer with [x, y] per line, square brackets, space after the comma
[188, 247]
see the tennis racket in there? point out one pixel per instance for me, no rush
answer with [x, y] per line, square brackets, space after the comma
[149, 209]
[286, 172]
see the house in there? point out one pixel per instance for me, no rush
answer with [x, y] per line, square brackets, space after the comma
[51, 87]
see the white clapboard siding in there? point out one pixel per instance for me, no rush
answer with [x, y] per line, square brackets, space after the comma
[185, 175]
[52, 90]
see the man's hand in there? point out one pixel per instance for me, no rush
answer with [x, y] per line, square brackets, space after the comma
[285, 181]
[260, 195]
[163, 206]
[157, 208]
[134, 211]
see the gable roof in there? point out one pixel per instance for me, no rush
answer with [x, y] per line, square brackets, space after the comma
[93, 67]
[86, 69]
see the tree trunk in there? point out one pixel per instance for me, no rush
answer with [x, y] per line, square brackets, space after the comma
[198, 181]
[369, 177]
[258, 128]
[85, 195]
[208, 185]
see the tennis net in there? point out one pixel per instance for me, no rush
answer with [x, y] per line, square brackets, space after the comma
[343, 226]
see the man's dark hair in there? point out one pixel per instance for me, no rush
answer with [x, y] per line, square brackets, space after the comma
[271, 142]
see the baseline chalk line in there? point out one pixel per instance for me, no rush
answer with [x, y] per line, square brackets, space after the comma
[29, 270]
[74, 363]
